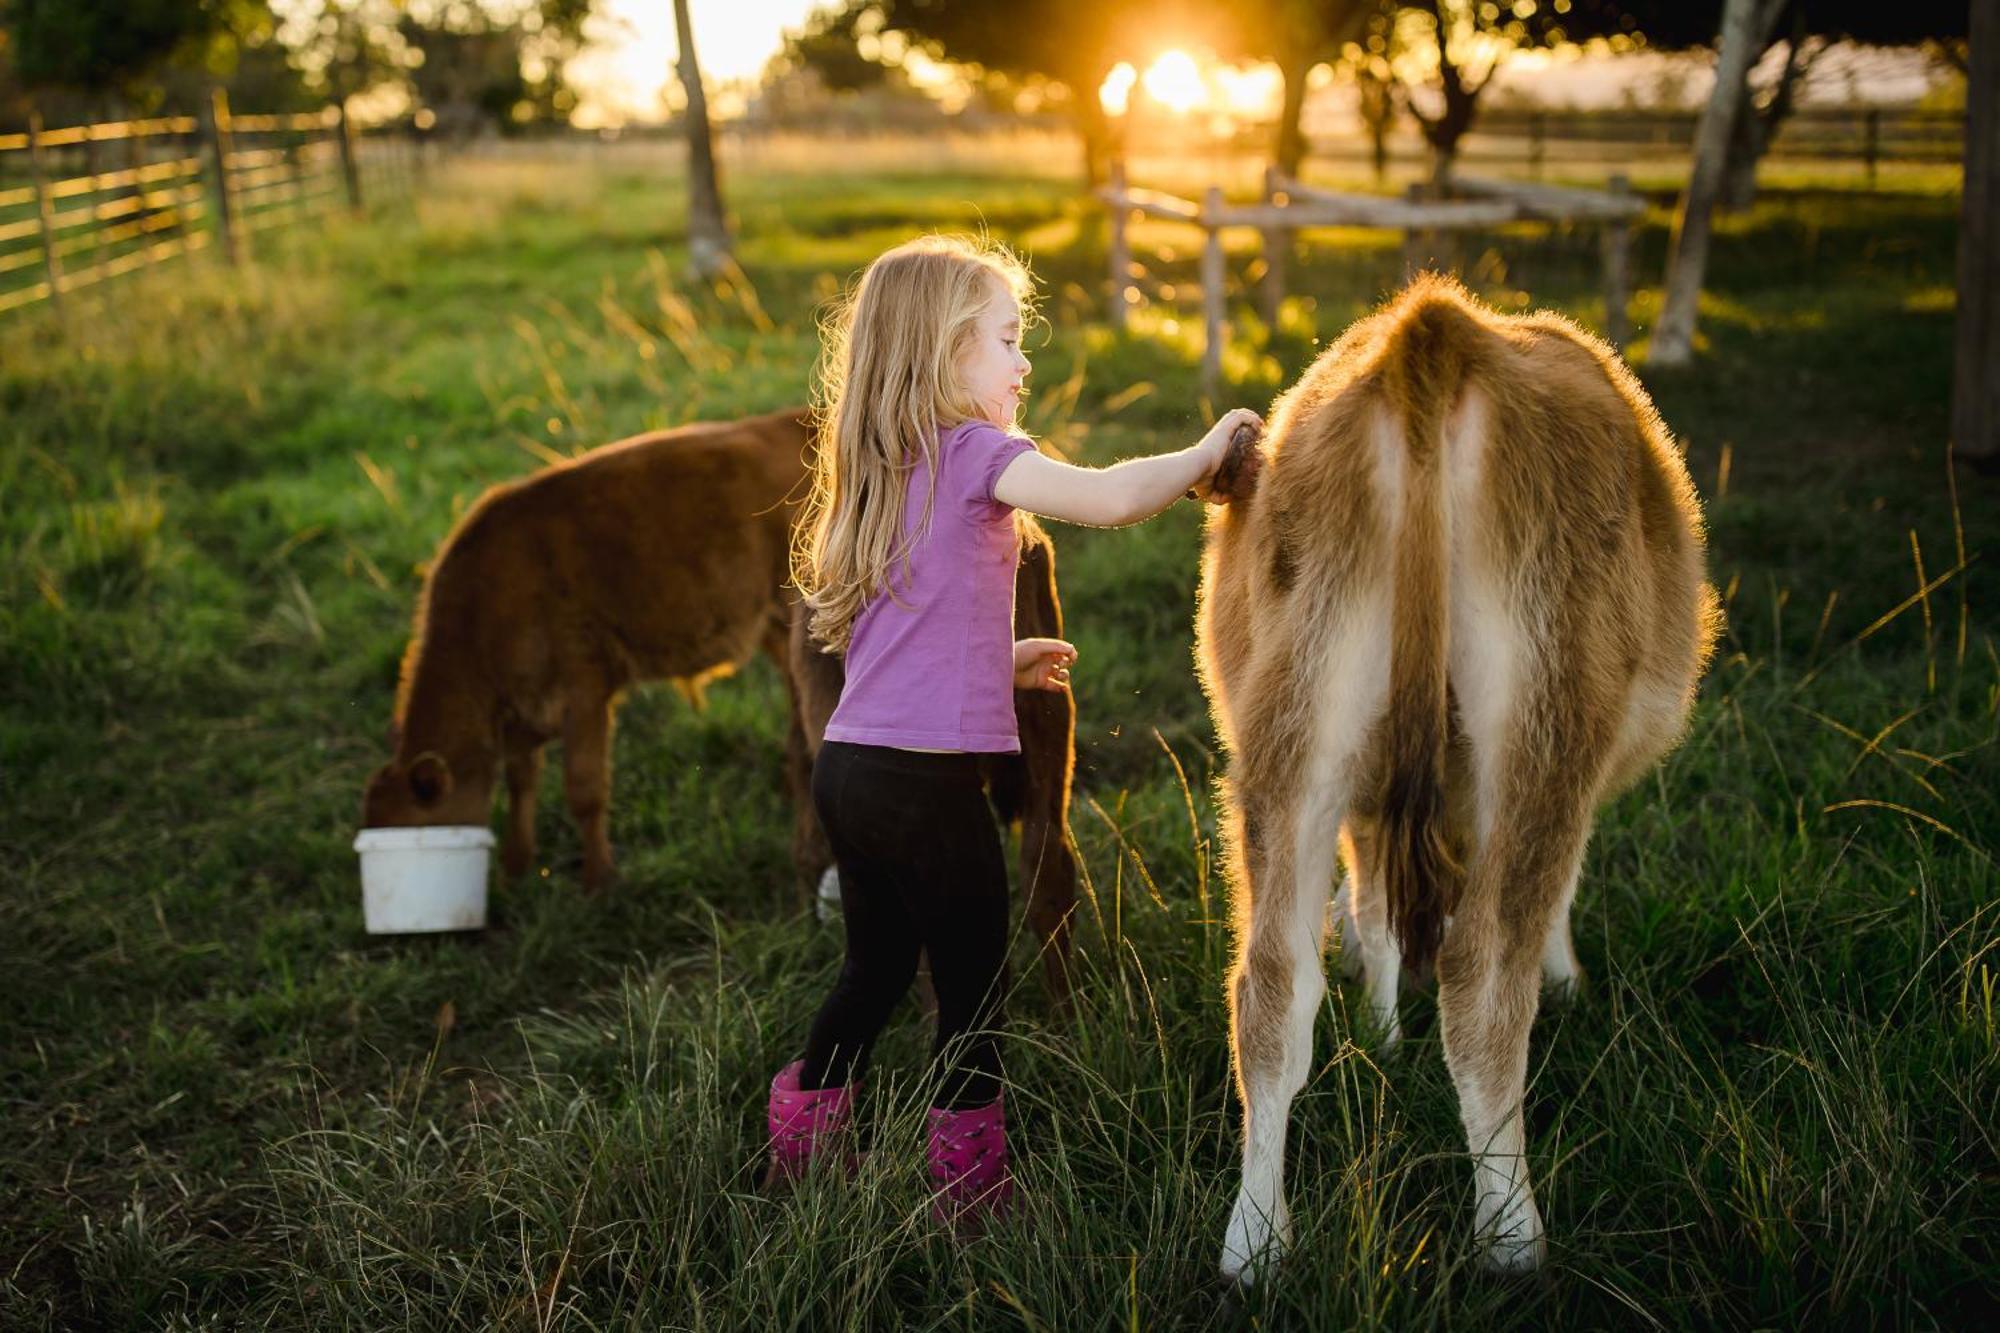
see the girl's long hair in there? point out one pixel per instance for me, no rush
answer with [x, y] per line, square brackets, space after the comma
[887, 384]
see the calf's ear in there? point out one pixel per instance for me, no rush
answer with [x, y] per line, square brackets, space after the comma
[430, 777]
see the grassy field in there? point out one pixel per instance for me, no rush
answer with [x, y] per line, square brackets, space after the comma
[223, 1105]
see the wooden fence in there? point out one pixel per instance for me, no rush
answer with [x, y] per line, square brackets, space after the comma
[84, 203]
[1866, 144]
[1424, 219]
[1869, 137]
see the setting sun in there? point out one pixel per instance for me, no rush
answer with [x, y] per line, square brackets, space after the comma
[1175, 82]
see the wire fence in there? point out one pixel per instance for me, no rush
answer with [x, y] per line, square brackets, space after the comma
[81, 204]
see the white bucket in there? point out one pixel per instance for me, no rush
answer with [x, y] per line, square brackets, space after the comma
[419, 879]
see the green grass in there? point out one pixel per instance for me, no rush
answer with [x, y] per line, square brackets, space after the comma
[222, 1104]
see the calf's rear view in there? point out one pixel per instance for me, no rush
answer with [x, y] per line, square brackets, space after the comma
[1459, 606]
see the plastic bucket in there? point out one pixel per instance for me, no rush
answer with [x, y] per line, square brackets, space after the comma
[424, 879]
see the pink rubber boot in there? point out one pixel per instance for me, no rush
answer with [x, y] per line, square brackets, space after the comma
[968, 1157]
[803, 1124]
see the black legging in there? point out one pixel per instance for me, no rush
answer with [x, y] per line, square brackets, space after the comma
[920, 869]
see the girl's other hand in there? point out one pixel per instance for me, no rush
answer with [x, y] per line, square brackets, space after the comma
[1042, 664]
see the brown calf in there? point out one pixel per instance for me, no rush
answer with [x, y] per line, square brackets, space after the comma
[1031, 787]
[1459, 606]
[664, 556]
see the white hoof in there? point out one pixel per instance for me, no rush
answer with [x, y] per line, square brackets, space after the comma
[1510, 1235]
[1252, 1245]
[826, 903]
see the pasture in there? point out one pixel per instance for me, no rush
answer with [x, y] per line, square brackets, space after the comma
[223, 1105]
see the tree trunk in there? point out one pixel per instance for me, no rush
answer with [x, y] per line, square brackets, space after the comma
[1756, 126]
[1291, 146]
[1094, 131]
[1975, 401]
[1378, 113]
[1739, 173]
[1687, 250]
[708, 234]
[1461, 101]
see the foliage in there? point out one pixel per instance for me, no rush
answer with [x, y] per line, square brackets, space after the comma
[829, 46]
[117, 45]
[1074, 46]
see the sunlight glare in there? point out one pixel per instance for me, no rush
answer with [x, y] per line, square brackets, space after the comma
[1174, 81]
[1115, 93]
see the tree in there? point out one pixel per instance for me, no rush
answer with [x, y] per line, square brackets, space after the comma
[1808, 28]
[1297, 35]
[1468, 39]
[1073, 45]
[829, 45]
[118, 45]
[1975, 401]
[1744, 26]
[708, 233]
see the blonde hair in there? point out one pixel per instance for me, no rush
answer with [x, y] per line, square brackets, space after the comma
[887, 384]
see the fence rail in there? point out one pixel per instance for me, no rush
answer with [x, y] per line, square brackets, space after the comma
[1425, 217]
[83, 203]
[1868, 138]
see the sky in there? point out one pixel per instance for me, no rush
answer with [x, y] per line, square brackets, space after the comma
[624, 74]
[624, 77]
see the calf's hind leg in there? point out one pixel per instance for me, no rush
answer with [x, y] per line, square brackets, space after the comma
[1489, 986]
[1275, 988]
[524, 776]
[1288, 820]
[587, 782]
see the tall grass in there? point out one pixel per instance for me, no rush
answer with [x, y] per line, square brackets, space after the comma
[226, 1106]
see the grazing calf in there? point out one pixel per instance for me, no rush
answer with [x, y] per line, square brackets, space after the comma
[664, 556]
[1458, 606]
[1031, 787]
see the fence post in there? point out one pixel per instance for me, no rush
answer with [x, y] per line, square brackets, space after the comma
[1211, 292]
[1416, 241]
[1120, 249]
[215, 127]
[136, 155]
[44, 212]
[1537, 133]
[1277, 251]
[189, 142]
[418, 142]
[349, 172]
[1871, 142]
[1617, 240]
[91, 168]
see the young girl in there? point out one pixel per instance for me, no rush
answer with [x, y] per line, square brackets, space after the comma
[907, 563]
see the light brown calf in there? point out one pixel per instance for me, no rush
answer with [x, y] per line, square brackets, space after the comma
[660, 557]
[1460, 605]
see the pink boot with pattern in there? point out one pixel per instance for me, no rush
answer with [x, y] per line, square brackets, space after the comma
[803, 1124]
[968, 1159]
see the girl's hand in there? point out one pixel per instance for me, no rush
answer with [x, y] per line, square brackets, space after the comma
[1042, 664]
[1215, 447]
[1216, 442]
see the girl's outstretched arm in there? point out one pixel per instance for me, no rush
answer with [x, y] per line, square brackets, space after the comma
[1123, 493]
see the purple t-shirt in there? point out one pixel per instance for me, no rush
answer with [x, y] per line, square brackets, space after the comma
[932, 668]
